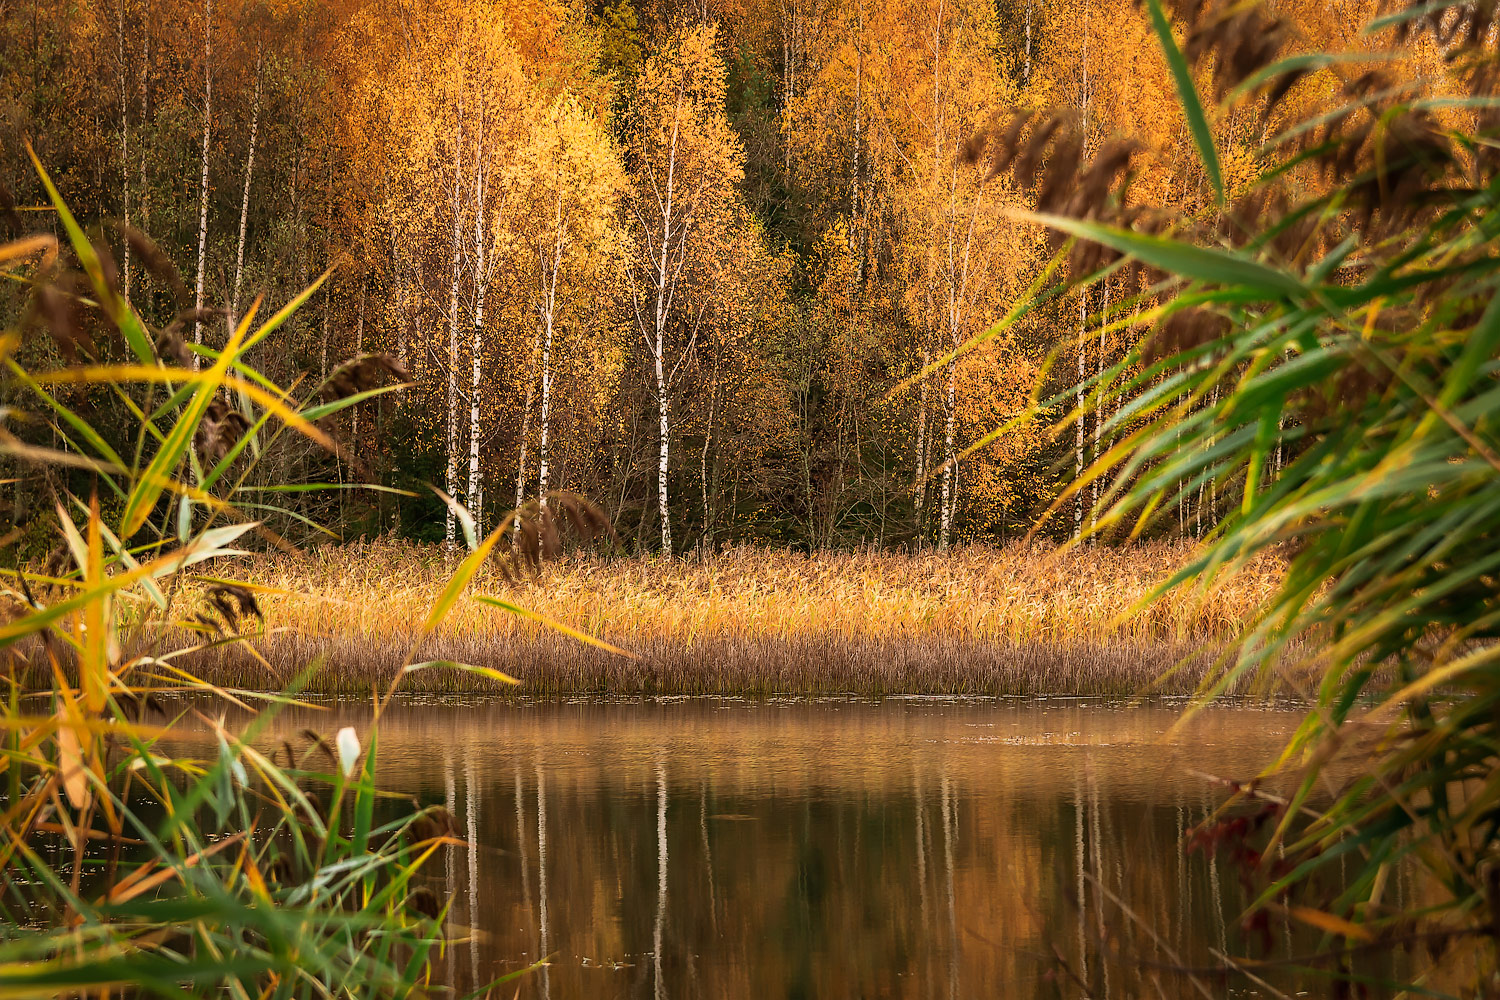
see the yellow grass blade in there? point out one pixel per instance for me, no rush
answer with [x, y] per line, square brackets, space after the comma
[555, 625]
[490, 672]
[1329, 923]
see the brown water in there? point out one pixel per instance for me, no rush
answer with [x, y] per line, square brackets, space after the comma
[905, 848]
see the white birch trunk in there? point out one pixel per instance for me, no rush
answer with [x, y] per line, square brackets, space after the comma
[1026, 72]
[239, 254]
[526, 423]
[1083, 310]
[450, 479]
[549, 312]
[323, 359]
[708, 437]
[145, 107]
[359, 348]
[674, 233]
[124, 148]
[664, 436]
[921, 489]
[1098, 378]
[481, 286]
[854, 214]
[208, 109]
[663, 402]
[950, 464]
[544, 416]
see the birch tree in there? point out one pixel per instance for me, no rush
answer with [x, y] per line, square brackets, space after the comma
[685, 161]
[239, 253]
[562, 195]
[208, 117]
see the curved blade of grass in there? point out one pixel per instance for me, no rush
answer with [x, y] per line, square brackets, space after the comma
[84, 429]
[171, 376]
[318, 487]
[555, 625]
[158, 473]
[468, 668]
[1187, 93]
[118, 310]
[329, 408]
[1209, 264]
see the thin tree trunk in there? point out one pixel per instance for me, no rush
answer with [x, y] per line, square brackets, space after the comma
[450, 480]
[854, 210]
[359, 348]
[145, 107]
[549, 304]
[921, 489]
[664, 436]
[481, 287]
[663, 403]
[526, 424]
[950, 464]
[1098, 378]
[542, 456]
[124, 147]
[1083, 310]
[208, 109]
[1026, 72]
[239, 254]
[708, 437]
[405, 319]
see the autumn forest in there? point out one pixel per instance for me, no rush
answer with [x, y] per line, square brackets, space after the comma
[718, 267]
[706, 265]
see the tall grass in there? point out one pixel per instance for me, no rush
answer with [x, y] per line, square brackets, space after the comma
[1012, 620]
[133, 861]
[1323, 351]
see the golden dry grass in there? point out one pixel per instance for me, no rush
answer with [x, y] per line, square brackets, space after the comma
[1012, 620]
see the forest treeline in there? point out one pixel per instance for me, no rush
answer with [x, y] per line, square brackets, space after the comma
[686, 260]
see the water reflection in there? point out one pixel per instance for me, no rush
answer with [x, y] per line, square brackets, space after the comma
[828, 849]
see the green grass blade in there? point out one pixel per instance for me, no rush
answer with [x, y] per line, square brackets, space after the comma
[1187, 93]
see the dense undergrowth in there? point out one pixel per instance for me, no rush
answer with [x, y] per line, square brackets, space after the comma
[1323, 346]
[145, 847]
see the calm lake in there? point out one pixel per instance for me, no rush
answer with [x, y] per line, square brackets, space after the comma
[911, 848]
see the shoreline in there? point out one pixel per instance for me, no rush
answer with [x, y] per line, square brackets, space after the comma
[992, 621]
[552, 668]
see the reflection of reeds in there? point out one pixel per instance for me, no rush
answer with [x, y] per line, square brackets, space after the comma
[1011, 620]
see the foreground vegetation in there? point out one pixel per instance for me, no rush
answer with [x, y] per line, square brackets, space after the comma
[977, 620]
[1324, 347]
[146, 848]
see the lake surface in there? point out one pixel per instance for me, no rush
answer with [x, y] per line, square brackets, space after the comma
[902, 848]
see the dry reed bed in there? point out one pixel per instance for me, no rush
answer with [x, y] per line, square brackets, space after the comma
[983, 620]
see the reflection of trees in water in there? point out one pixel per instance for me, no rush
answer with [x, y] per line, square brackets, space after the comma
[651, 865]
[450, 802]
[541, 879]
[661, 876]
[747, 896]
[471, 816]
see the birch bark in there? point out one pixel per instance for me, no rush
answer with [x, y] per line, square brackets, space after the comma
[124, 147]
[239, 254]
[1083, 311]
[550, 271]
[481, 288]
[450, 481]
[208, 110]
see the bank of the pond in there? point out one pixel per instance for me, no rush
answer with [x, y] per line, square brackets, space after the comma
[979, 620]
